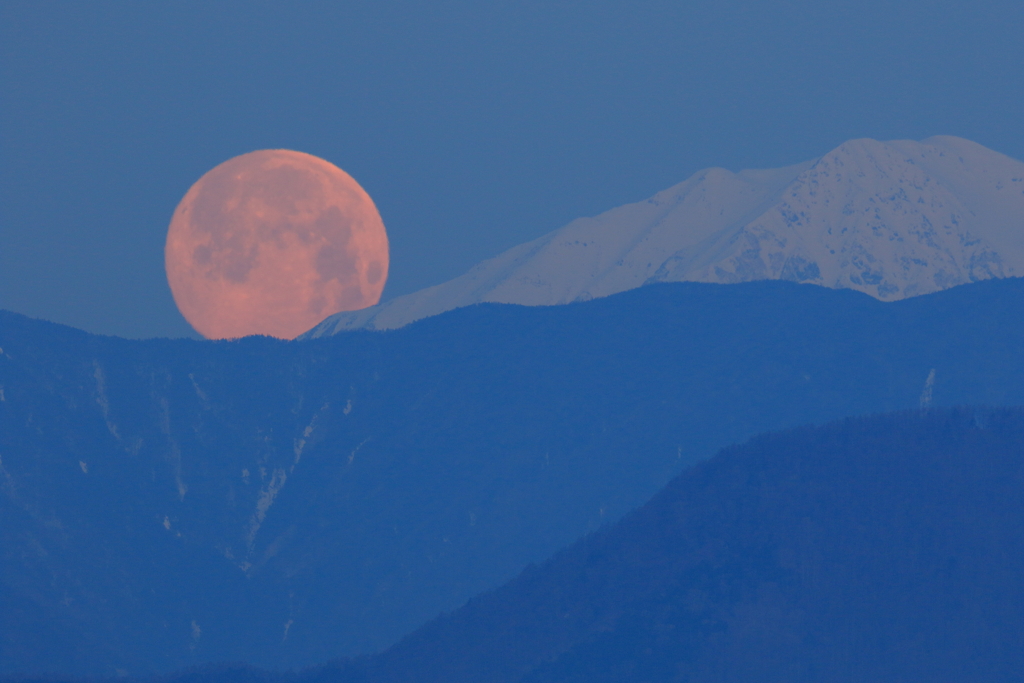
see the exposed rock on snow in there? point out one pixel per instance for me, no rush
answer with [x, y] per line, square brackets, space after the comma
[891, 219]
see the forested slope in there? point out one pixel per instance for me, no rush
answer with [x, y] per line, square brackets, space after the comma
[171, 502]
[888, 548]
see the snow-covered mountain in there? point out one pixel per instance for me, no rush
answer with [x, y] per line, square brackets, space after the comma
[891, 219]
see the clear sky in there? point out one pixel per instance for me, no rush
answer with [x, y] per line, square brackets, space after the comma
[474, 125]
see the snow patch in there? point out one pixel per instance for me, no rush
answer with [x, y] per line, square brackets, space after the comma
[175, 452]
[101, 398]
[263, 503]
[352, 455]
[199, 392]
[926, 393]
[300, 443]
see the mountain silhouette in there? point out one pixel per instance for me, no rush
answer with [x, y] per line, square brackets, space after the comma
[165, 503]
[890, 219]
[888, 548]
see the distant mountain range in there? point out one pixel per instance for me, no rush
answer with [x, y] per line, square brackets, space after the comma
[890, 219]
[171, 502]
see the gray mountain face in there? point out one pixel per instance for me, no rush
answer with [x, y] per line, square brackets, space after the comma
[890, 219]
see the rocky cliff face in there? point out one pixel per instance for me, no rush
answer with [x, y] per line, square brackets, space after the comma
[891, 219]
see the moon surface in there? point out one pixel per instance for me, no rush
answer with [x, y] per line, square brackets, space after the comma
[272, 242]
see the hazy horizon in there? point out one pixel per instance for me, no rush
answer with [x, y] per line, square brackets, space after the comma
[474, 128]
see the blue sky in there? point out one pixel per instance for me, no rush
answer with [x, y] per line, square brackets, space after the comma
[474, 126]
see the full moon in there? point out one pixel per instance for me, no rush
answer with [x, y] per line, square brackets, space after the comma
[272, 242]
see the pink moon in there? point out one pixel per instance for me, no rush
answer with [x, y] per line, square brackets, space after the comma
[272, 242]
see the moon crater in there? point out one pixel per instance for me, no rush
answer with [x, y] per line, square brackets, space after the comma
[272, 242]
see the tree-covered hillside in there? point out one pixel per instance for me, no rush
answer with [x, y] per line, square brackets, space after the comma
[888, 548]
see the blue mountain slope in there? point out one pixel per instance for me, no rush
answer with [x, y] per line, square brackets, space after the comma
[164, 503]
[888, 548]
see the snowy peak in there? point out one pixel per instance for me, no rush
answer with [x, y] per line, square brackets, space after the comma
[891, 219]
[875, 217]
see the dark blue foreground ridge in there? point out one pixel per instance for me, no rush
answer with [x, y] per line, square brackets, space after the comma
[166, 503]
[884, 548]
[887, 548]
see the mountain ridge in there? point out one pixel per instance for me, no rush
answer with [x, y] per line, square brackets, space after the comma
[885, 547]
[299, 501]
[890, 219]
